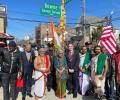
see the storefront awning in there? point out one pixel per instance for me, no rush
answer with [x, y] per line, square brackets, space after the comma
[6, 36]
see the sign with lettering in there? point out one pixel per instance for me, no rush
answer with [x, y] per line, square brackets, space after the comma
[51, 9]
[66, 1]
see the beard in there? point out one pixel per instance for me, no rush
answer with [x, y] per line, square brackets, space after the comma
[83, 52]
[98, 53]
[12, 49]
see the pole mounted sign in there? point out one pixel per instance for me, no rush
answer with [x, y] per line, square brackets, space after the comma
[67, 1]
[51, 9]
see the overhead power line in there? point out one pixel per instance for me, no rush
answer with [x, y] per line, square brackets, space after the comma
[39, 21]
[31, 20]
[28, 20]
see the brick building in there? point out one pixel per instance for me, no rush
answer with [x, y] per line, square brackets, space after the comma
[43, 33]
[3, 25]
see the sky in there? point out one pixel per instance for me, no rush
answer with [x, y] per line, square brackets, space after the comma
[30, 9]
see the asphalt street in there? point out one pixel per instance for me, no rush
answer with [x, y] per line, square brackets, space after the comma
[50, 96]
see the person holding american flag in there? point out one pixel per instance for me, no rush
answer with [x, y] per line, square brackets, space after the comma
[108, 42]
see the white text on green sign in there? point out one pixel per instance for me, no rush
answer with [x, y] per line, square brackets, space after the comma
[51, 9]
[52, 6]
[50, 12]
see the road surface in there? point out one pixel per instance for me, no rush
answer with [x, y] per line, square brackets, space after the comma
[50, 96]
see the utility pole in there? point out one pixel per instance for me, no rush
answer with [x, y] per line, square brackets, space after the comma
[83, 20]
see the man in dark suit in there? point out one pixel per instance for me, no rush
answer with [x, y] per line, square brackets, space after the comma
[73, 60]
[28, 65]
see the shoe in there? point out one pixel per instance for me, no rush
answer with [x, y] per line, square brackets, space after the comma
[49, 90]
[97, 96]
[30, 95]
[103, 97]
[74, 95]
[23, 98]
[69, 93]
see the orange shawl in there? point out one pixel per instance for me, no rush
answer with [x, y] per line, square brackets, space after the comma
[45, 64]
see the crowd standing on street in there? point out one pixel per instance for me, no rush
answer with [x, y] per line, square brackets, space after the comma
[85, 70]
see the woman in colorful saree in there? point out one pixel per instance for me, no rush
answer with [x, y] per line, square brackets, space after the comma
[61, 75]
[42, 66]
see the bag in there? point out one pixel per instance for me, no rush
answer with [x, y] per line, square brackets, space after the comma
[20, 82]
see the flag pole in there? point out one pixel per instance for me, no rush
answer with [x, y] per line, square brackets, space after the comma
[53, 41]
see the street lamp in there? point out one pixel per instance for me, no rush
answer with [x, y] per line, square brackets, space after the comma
[47, 30]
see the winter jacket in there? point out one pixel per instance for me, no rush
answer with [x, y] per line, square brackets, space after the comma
[11, 61]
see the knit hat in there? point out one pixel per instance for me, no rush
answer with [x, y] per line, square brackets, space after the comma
[12, 44]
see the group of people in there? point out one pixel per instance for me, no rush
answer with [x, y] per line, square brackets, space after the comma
[85, 71]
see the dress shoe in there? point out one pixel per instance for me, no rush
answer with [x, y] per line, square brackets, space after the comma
[74, 95]
[69, 93]
[30, 95]
[23, 98]
[48, 90]
[97, 96]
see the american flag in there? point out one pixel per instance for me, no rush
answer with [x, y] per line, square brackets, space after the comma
[108, 40]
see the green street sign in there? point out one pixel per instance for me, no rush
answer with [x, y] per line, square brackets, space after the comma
[66, 1]
[50, 12]
[51, 9]
[52, 6]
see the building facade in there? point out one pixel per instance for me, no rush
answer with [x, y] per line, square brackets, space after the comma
[44, 33]
[3, 19]
[91, 23]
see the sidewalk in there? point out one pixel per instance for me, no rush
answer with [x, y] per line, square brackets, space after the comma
[50, 96]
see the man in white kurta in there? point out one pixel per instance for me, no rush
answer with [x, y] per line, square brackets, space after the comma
[84, 72]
